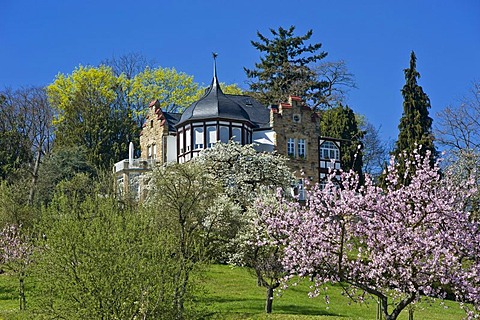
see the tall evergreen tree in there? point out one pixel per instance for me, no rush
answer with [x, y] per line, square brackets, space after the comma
[340, 122]
[286, 67]
[415, 125]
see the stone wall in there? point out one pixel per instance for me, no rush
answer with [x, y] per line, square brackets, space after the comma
[153, 131]
[295, 120]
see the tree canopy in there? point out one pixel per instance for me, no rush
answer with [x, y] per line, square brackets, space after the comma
[398, 243]
[89, 116]
[415, 128]
[286, 67]
[340, 122]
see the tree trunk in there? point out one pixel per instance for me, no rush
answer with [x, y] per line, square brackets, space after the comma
[410, 314]
[379, 315]
[21, 294]
[36, 166]
[269, 302]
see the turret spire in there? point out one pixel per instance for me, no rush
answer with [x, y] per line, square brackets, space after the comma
[214, 55]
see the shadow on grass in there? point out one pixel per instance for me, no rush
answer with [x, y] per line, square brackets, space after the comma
[303, 310]
[8, 293]
[232, 299]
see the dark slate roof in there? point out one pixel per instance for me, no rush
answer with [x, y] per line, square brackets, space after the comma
[172, 119]
[215, 105]
[258, 113]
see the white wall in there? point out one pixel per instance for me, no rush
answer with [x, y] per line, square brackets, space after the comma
[263, 140]
[171, 146]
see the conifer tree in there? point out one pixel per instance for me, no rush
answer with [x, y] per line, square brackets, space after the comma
[415, 125]
[340, 122]
[286, 67]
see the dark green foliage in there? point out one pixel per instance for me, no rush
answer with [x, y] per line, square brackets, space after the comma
[14, 146]
[188, 206]
[415, 125]
[340, 122]
[61, 165]
[14, 209]
[286, 67]
[99, 260]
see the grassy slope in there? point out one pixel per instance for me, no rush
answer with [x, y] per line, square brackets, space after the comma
[231, 293]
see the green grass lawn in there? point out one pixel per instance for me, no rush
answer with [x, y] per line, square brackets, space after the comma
[231, 293]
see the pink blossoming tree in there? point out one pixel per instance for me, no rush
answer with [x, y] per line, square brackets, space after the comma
[15, 256]
[396, 244]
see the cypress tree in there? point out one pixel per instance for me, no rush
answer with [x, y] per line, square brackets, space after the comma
[415, 128]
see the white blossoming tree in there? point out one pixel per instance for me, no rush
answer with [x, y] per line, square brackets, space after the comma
[247, 175]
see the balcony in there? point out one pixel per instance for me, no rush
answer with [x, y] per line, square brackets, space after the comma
[135, 165]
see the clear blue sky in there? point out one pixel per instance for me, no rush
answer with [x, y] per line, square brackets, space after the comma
[39, 39]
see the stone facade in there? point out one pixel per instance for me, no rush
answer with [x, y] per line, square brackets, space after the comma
[296, 134]
[291, 129]
[154, 134]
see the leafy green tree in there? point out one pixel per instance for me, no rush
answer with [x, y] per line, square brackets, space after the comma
[61, 165]
[341, 123]
[14, 151]
[174, 90]
[189, 206]
[415, 125]
[89, 116]
[286, 67]
[14, 207]
[98, 259]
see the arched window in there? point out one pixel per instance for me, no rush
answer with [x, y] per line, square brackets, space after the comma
[329, 150]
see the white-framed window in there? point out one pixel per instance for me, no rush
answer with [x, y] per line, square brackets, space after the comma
[301, 148]
[329, 150]
[237, 134]
[180, 139]
[224, 134]
[188, 140]
[154, 152]
[198, 138]
[291, 147]
[211, 136]
[149, 148]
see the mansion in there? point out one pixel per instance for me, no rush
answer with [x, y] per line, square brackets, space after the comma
[290, 129]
